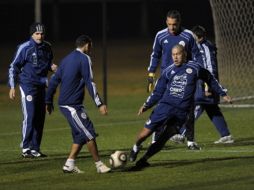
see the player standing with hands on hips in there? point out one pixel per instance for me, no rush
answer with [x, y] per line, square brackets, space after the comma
[164, 41]
[74, 74]
[29, 68]
[173, 96]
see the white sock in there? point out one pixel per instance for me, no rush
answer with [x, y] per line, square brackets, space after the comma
[190, 143]
[25, 149]
[135, 148]
[70, 162]
[98, 163]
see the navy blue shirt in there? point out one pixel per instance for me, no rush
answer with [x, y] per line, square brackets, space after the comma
[209, 52]
[176, 85]
[164, 42]
[73, 74]
[31, 64]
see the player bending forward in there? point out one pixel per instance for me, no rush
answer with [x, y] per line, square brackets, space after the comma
[174, 96]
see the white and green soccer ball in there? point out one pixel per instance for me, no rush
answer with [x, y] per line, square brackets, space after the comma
[118, 159]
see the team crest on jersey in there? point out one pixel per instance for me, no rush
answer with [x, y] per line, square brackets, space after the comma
[182, 43]
[29, 98]
[83, 115]
[189, 70]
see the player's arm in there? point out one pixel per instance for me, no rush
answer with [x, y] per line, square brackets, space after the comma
[53, 83]
[14, 70]
[214, 84]
[154, 62]
[87, 73]
[156, 95]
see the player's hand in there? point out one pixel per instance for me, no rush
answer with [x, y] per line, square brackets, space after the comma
[207, 93]
[150, 82]
[49, 108]
[142, 109]
[103, 110]
[12, 93]
[227, 99]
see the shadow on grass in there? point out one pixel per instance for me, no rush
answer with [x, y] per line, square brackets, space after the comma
[181, 163]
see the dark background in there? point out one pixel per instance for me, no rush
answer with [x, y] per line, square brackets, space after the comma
[85, 16]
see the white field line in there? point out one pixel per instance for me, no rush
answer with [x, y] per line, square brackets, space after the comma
[67, 127]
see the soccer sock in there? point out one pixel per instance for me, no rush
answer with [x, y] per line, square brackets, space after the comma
[136, 148]
[98, 163]
[190, 143]
[70, 162]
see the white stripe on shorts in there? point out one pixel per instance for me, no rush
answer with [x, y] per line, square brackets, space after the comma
[78, 121]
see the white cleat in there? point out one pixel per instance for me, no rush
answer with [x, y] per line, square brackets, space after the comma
[68, 169]
[102, 168]
[225, 140]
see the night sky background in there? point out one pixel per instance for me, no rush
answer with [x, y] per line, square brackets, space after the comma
[76, 17]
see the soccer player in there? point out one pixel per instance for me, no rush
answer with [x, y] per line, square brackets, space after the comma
[74, 74]
[29, 68]
[164, 41]
[174, 96]
[206, 99]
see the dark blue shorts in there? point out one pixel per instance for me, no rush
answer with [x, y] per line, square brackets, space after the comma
[165, 114]
[81, 126]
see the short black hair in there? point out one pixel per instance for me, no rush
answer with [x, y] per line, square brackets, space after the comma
[82, 40]
[199, 31]
[174, 14]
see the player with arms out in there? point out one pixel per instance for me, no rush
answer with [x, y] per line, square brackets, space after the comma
[74, 74]
[164, 41]
[29, 68]
[173, 96]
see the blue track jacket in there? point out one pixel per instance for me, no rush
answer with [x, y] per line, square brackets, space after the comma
[31, 64]
[74, 73]
[164, 42]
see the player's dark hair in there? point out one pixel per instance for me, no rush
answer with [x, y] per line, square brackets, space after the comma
[82, 40]
[174, 14]
[199, 31]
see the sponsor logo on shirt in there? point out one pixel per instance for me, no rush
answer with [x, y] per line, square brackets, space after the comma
[177, 86]
[165, 41]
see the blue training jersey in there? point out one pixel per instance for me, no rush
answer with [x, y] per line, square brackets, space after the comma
[176, 86]
[74, 74]
[31, 64]
[164, 42]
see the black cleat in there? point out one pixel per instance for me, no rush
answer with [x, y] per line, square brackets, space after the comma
[133, 156]
[141, 164]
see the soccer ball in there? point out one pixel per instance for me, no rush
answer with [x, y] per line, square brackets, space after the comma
[118, 159]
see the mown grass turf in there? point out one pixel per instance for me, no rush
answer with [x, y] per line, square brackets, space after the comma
[214, 167]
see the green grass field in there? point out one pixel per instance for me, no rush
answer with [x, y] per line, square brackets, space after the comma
[175, 167]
